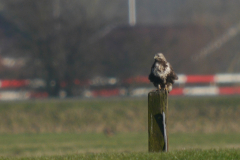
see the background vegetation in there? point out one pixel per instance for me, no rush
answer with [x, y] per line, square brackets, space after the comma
[186, 115]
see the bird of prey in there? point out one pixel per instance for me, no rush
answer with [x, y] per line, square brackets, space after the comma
[162, 74]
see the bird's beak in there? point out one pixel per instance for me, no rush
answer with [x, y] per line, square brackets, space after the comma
[155, 57]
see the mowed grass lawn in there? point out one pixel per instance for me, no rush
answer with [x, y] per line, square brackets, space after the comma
[199, 128]
[92, 145]
[212, 154]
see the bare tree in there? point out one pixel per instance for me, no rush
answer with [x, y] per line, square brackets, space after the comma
[56, 36]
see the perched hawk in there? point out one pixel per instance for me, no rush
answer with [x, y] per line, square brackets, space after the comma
[162, 74]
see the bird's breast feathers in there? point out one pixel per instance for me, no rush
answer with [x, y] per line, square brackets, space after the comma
[161, 71]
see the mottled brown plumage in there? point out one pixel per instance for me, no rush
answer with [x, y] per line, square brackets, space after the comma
[162, 74]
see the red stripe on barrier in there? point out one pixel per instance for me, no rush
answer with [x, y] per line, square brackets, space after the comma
[237, 90]
[200, 79]
[177, 91]
[226, 90]
[39, 95]
[106, 93]
[138, 79]
[13, 83]
[229, 90]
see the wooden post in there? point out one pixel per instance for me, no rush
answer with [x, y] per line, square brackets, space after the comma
[157, 121]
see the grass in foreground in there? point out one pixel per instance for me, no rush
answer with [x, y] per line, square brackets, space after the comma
[71, 143]
[196, 154]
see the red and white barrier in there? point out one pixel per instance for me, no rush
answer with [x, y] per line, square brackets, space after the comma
[141, 91]
[99, 81]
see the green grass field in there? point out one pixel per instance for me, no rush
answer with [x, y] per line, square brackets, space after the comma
[194, 154]
[200, 128]
[180, 155]
[36, 145]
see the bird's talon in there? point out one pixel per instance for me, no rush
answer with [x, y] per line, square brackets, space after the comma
[167, 91]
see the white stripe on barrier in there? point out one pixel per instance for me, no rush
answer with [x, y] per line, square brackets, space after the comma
[181, 79]
[227, 78]
[198, 91]
[140, 91]
[14, 95]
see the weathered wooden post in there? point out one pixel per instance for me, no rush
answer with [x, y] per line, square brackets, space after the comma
[157, 121]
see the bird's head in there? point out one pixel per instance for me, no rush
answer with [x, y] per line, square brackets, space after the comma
[160, 57]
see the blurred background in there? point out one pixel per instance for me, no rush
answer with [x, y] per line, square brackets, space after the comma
[60, 56]
[102, 48]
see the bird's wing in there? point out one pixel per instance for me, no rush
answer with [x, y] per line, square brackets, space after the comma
[173, 73]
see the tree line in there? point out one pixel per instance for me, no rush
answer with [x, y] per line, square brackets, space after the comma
[62, 40]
